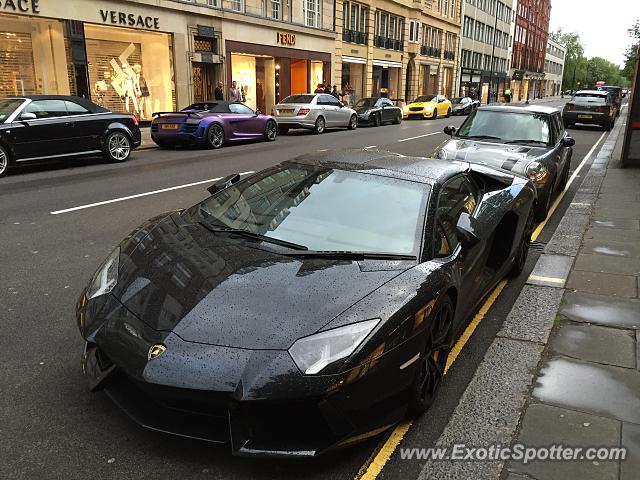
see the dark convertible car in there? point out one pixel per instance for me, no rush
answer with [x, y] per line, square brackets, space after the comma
[40, 128]
[377, 111]
[305, 307]
[529, 141]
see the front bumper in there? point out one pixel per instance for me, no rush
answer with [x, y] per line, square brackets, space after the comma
[417, 113]
[256, 401]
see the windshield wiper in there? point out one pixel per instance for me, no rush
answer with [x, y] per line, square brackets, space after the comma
[341, 254]
[479, 137]
[216, 228]
[525, 141]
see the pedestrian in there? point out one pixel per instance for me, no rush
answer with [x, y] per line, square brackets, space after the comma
[218, 93]
[327, 88]
[507, 95]
[335, 92]
[319, 89]
[234, 92]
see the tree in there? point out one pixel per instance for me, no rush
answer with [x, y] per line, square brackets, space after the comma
[575, 66]
[631, 53]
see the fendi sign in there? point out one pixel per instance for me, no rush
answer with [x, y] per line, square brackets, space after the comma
[286, 38]
[20, 6]
[129, 19]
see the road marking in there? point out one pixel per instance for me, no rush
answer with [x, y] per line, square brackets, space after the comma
[378, 459]
[419, 136]
[540, 227]
[138, 195]
[370, 146]
[538, 278]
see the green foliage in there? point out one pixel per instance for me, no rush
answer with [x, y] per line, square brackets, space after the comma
[631, 53]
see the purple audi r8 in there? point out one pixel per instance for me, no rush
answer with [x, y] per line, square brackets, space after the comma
[212, 124]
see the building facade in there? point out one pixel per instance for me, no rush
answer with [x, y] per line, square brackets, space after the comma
[484, 48]
[529, 49]
[145, 56]
[553, 68]
[396, 49]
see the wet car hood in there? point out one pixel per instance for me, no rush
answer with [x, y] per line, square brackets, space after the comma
[364, 109]
[510, 158]
[221, 289]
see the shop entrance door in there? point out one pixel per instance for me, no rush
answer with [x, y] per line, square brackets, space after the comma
[204, 78]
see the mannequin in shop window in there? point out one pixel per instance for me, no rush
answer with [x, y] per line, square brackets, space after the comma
[142, 92]
[129, 89]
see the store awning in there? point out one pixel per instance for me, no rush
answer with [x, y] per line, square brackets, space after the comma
[346, 59]
[385, 63]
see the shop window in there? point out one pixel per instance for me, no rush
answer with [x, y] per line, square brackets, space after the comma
[130, 70]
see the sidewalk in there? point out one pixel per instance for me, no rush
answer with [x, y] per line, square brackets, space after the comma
[564, 369]
[147, 143]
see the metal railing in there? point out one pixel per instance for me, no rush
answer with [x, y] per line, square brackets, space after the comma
[430, 51]
[388, 43]
[353, 36]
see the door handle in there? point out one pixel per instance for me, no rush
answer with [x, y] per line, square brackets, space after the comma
[69, 124]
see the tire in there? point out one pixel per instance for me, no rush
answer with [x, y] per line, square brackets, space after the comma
[567, 125]
[565, 177]
[608, 125]
[353, 122]
[215, 136]
[448, 113]
[4, 161]
[433, 360]
[523, 248]
[117, 147]
[271, 131]
[398, 119]
[434, 115]
[319, 127]
[542, 209]
[283, 130]
[377, 121]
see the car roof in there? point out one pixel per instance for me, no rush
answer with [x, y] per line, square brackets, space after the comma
[89, 105]
[519, 108]
[388, 164]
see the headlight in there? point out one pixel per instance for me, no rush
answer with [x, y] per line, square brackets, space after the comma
[405, 108]
[536, 171]
[312, 354]
[441, 154]
[106, 277]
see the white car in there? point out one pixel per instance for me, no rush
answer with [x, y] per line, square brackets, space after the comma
[314, 111]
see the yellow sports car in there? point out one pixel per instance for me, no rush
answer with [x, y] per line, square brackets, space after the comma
[428, 106]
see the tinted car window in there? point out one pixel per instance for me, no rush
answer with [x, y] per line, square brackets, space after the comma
[507, 126]
[366, 102]
[441, 247]
[7, 107]
[330, 100]
[240, 108]
[424, 98]
[202, 106]
[47, 108]
[590, 98]
[298, 99]
[75, 109]
[387, 102]
[324, 209]
[456, 197]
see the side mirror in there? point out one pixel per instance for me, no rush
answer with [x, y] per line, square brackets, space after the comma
[465, 231]
[258, 112]
[450, 130]
[568, 141]
[341, 104]
[28, 116]
[223, 183]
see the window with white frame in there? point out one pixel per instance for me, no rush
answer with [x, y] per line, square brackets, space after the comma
[312, 13]
[446, 8]
[453, 9]
[236, 5]
[212, 3]
[276, 9]
[414, 31]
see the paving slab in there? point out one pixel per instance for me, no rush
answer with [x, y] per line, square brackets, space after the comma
[618, 223]
[612, 235]
[630, 468]
[593, 343]
[600, 309]
[590, 387]
[615, 249]
[546, 425]
[531, 317]
[617, 212]
[607, 264]
[551, 271]
[603, 283]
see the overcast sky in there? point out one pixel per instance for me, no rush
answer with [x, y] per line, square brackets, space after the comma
[602, 25]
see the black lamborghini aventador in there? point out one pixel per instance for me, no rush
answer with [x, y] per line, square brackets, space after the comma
[305, 307]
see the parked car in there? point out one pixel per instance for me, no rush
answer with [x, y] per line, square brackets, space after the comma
[376, 111]
[428, 106]
[527, 141]
[616, 96]
[315, 112]
[590, 107]
[212, 124]
[38, 128]
[463, 105]
[317, 316]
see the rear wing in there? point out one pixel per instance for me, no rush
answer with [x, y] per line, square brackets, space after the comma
[186, 114]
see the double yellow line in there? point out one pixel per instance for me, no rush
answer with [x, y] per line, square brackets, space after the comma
[381, 455]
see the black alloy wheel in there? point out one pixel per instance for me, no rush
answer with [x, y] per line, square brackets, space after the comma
[434, 115]
[377, 121]
[353, 122]
[215, 136]
[319, 127]
[4, 161]
[542, 209]
[523, 248]
[271, 131]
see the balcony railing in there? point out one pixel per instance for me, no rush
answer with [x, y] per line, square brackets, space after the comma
[389, 43]
[449, 55]
[352, 36]
[430, 51]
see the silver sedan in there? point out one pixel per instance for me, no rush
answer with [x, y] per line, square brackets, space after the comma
[314, 111]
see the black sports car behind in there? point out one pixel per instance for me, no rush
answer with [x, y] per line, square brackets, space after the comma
[305, 307]
[41, 128]
[463, 105]
[377, 111]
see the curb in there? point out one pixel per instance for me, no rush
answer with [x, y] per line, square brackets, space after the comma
[491, 407]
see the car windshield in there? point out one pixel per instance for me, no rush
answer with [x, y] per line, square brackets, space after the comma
[506, 126]
[459, 100]
[424, 98]
[367, 102]
[323, 210]
[8, 106]
[588, 98]
[298, 99]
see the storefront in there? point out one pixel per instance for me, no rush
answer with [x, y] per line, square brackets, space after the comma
[354, 72]
[386, 79]
[471, 83]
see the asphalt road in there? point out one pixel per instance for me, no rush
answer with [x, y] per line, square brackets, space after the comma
[50, 426]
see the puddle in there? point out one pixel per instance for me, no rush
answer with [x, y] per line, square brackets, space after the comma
[581, 307]
[611, 251]
[589, 387]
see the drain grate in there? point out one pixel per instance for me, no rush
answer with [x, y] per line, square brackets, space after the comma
[537, 246]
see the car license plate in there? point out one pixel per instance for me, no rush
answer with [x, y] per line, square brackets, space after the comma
[585, 116]
[170, 126]
[285, 111]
